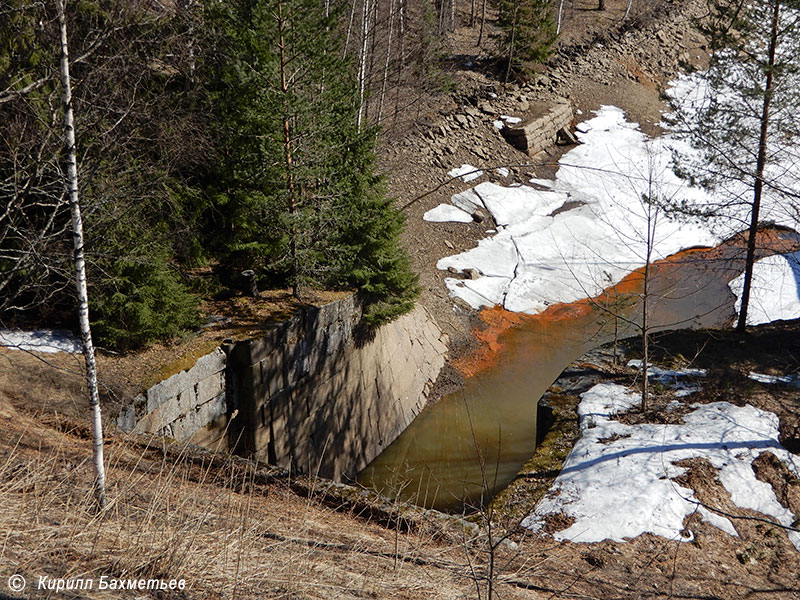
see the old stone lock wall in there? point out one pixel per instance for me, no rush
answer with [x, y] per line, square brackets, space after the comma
[315, 394]
[539, 129]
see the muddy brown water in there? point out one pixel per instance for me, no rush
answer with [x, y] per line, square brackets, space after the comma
[470, 445]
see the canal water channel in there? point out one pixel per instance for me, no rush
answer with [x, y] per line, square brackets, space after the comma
[470, 444]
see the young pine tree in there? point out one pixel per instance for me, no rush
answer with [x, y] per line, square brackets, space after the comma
[742, 117]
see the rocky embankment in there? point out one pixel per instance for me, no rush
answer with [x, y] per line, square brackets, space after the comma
[629, 65]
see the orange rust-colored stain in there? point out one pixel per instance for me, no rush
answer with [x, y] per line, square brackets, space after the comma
[497, 320]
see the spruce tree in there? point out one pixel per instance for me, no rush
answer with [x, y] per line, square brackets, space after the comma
[527, 32]
[296, 188]
[133, 116]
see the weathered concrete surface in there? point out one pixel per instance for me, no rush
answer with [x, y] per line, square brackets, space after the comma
[319, 399]
[313, 394]
[539, 129]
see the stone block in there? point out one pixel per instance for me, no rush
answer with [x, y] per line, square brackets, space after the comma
[250, 377]
[126, 420]
[165, 390]
[250, 352]
[262, 436]
[164, 414]
[208, 411]
[209, 364]
[211, 436]
[184, 426]
[210, 387]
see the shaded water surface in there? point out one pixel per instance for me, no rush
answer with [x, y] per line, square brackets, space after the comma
[471, 444]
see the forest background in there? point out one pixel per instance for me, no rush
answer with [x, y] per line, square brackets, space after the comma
[214, 139]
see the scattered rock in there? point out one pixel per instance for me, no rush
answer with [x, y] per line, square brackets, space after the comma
[472, 274]
[487, 108]
[472, 111]
[566, 136]
[479, 216]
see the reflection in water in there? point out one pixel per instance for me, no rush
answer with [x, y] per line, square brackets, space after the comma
[436, 463]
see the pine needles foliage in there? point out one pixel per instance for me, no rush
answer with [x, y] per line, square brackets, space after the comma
[527, 32]
[297, 190]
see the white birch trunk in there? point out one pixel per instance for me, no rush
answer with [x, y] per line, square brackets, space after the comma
[80, 266]
[349, 29]
[362, 71]
[627, 10]
[386, 63]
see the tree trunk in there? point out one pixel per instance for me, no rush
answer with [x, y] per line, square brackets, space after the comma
[362, 70]
[483, 22]
[386, 62]
[511, 46]
[761, 161]
[349, 28]
[627, 10]
[652, 222]
[601, 5]
[287, 155]
[645, 337]
[80, 266]
[560, 14]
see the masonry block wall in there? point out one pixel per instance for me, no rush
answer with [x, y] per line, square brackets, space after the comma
[319, 399]
[312, 394]
[190, 406]
[539, 129]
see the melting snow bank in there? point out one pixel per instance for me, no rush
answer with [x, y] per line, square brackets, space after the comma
[775, 293]
[466, 172]
[45, 340]
[541, 255]
[618, 483]
[792, 380]
[538, 258]
[674, 379]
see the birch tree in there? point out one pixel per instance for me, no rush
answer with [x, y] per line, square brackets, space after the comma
[80, 263]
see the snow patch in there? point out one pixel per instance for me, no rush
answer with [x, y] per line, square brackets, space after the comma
[466, 172]
[671, 378]
[43, 340]
[775, 290]
[447, 213]
[577, 253]
[506, 120]
[614, 468]
[792, 380]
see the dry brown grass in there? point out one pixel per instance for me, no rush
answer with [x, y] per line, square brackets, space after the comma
[229, 527]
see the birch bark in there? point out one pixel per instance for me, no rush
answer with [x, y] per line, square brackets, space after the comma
[80, 265]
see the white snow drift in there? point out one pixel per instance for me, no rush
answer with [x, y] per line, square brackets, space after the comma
[44, 340]
[618, 480]
[542, 256]
[775, 290]
[538, 258]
